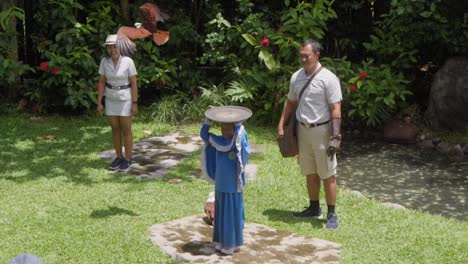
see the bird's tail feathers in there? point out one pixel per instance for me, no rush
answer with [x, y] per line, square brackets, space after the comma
[163, 16]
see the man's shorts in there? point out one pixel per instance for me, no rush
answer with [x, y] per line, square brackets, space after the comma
[313, 145]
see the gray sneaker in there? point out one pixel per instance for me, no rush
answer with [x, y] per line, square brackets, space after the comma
[116, 163]
[125, 165]
[332, 222]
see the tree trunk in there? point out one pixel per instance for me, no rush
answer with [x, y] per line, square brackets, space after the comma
[124, 9]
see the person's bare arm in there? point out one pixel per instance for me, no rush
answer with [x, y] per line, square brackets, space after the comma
[288, 107]
[134, 91]
[101, 87]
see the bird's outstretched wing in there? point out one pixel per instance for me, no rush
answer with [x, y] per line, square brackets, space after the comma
[126, 35]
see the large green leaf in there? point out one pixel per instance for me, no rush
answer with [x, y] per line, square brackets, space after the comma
[268, 59]
[250, 39]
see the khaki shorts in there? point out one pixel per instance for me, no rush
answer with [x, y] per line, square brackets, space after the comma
[313, 145]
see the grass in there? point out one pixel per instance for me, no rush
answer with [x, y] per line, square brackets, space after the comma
[59, 202]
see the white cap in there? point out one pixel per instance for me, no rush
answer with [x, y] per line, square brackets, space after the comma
[111, 40]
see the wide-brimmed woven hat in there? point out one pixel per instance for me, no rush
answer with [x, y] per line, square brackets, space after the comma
[228, 114]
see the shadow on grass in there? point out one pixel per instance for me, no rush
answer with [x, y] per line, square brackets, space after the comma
[287, 217]
[111, 212]
[27, 155]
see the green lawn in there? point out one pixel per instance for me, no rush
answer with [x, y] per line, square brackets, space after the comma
[59, 202]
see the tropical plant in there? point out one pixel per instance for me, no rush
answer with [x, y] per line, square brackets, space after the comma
[10, 68]
[441, 31]
[375, 93]
[70, 52]
[178, 108]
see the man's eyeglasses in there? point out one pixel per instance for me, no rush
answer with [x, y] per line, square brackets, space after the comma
[306, 56]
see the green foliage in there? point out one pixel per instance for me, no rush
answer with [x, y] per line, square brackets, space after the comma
[10, 68]
[152, 69]
[72, 50]
[375, 93]
[178, 108]
[307, 21]
[239, 91]
[214, 94]
[219, 35]
[415, 32]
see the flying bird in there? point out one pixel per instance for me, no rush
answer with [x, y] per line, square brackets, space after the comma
[151, 16]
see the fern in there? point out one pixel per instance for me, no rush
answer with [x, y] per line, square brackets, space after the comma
[239, 91]
[214, 94]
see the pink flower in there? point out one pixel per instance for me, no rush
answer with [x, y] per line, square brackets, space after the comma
[265, 42]
[36, 108]
[362, 75]
[55, 70]
[353, 88]
[44, 66]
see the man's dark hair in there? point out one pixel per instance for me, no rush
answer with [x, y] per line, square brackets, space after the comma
[313, 43]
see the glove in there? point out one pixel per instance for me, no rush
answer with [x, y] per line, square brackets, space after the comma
[333, 147]
[335, 140]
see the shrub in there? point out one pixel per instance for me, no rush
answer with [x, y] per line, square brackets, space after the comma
[72, 50]
[375, 93]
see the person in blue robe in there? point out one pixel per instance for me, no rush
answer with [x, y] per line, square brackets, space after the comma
[223, 161]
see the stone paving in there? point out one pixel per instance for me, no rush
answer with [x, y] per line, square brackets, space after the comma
[405, 174]
[152, 157]
[189, 240]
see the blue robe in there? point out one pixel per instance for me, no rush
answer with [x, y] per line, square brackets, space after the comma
[223, 162]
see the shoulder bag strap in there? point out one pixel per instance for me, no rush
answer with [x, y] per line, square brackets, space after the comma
[308, 82]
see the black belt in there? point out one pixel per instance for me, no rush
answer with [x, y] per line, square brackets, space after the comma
[126, 86]
[314, 125]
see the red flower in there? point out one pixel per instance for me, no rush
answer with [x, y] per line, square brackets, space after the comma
[55, 70]
[362, 75]
[194, 91]
[265, 42]
[36, 108]
[44, 66]
[161, 83]
[353, 88]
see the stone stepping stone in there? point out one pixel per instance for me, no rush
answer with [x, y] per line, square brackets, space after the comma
[154, 156]
[189, 240]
